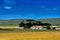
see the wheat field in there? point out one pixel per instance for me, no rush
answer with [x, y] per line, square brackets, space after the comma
[30, 36]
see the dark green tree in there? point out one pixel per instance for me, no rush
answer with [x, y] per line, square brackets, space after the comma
[21, 24]
[48, 26]
[26, 24]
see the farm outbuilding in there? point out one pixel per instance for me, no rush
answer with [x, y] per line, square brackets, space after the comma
[54, 27]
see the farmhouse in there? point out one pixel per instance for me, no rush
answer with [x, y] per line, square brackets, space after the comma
[36, 27]
[41, 26]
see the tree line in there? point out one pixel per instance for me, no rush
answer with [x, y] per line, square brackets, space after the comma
[28, 23]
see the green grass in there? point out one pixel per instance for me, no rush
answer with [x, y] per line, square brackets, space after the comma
[27, 30]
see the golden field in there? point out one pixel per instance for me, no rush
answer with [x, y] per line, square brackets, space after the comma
[30, 36]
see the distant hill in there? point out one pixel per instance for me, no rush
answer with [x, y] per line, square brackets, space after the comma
[12, 22]
[53, 21]
[15, 22]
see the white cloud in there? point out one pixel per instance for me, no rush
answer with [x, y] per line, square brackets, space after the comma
[7, 7]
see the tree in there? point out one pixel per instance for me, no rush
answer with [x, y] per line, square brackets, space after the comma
[21, 24]
[54, 28]
[26, 24]
[48, 26]
[38, 22]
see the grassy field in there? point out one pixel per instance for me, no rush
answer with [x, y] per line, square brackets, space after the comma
[30, 35]
[15, 34]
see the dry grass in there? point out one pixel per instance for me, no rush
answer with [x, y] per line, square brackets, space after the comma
[9, 27]
[30, 36]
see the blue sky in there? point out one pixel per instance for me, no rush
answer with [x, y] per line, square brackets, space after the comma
[34, 9]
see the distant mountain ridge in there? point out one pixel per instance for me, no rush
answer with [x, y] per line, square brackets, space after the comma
[15, 22]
